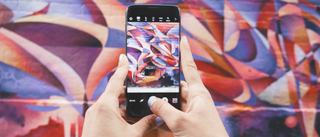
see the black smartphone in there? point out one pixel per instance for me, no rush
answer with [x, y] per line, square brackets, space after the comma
[153, 51]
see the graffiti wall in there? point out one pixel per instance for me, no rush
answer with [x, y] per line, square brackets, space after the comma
[260, 60]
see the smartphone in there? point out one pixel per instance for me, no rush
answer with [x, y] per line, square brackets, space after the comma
[153, 51]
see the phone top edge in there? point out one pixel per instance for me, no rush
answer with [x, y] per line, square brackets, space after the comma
[145, 13]
[152, 5]
[133, 5]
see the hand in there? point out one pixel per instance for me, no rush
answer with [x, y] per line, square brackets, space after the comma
[105, 118]
[200, 116]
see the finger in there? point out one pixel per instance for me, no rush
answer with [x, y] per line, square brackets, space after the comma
[123, 93]
[184, 90]
[162, 108]
[124, 115]
[188, 66]
[109, 98]
[184, 96]
[145, 124]
[115, 85]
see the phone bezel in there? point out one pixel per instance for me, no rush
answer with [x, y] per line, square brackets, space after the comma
[179, 93]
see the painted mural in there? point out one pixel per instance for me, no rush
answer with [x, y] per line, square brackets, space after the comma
[260, 60]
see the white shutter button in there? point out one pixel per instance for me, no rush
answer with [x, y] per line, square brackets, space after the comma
[165, 99]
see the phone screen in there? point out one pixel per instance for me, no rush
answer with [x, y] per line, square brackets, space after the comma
[153, 52]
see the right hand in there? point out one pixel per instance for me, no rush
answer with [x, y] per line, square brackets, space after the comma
[199, 117]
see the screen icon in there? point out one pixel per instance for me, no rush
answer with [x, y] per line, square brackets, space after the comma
[153, 18]
[175, 19]
[168, 19]
[138, 18]
[165, 99]
[145, 19]
[174, 100]
[132, 100]
[130, 18]
[160, 18]
[141, 100]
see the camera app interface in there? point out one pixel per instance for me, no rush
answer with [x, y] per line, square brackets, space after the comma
[153, 53]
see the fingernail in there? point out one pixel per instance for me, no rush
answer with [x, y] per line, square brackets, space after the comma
[185, 38]
[151, 100]
[121, 57]
[159, 121]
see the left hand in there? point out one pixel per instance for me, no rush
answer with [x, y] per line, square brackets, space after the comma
[105, 118]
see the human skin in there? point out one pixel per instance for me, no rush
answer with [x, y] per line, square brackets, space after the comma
[198, 115]
[104, 118]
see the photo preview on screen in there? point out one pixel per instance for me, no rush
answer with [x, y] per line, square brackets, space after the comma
[153, 53]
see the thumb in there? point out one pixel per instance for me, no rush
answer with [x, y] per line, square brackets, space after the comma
[163, 109]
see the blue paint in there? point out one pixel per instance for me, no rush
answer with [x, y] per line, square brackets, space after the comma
[253, 99]
[42, 108]
[249, 11]
[116, 39]
[25, 85]
[245, 49]
[183, 30]
[310, 11]
[101, 86]
[216, 5]
[196, 57]
[312, 26]
[264, 60]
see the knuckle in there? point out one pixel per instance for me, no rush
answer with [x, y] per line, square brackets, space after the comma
[158, 105]
[116, 78]
[179, 121]
[191, 65]
[97, 105]
[203, 92]
[119, 73]
[98, 108]
[122, 65]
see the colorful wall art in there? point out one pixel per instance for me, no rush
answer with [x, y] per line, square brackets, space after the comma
[260, 60]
